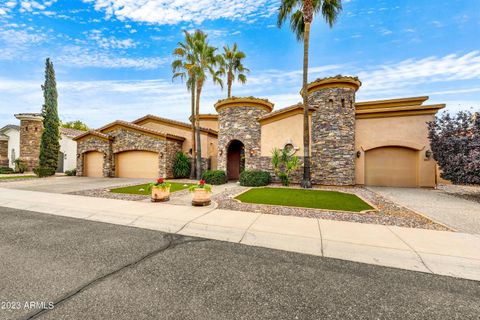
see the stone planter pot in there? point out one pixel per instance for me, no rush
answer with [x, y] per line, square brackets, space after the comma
[160, 194]
[201, 197]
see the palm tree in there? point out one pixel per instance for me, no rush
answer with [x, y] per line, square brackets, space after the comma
[232, 65]
[205, 63]
[182, 68]
[301, 14]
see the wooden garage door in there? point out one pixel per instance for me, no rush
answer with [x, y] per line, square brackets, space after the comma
[93, 164]
[391, 167]
[137, 164]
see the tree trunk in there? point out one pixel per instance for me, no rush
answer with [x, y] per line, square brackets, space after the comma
[192, 164]
[229, 84]
[197, 131]
[306, 183]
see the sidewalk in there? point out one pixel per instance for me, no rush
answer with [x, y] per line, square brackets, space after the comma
[438, 252]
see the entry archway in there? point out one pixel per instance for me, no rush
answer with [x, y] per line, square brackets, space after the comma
[235, 159]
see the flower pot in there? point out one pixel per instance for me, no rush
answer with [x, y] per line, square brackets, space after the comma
[160, 194]
[201, 197]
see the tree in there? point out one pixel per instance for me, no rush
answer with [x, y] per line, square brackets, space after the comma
[50, 145]
[182, 68]
[77, 125]
[205, 63]
[455, 143]
[233, 67]
[301, 14]
[284, 163]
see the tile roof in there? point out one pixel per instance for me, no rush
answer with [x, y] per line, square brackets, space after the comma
[180, 123]
[69, 132]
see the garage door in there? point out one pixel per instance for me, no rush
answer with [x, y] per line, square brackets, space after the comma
[137, 164]
[391, 167]
[93, 164]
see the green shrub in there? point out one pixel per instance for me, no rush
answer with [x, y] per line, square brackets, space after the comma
[44, 172]
[181, 167]
[284, 164]
[6, 170]
[215, 177]
[20, 167]
[71, 173]
[254, 178]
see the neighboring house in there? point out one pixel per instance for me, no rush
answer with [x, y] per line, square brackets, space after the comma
[23, 142]
[366, 143]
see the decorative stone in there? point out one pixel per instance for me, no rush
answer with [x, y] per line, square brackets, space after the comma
[3, 151]
[31, 129]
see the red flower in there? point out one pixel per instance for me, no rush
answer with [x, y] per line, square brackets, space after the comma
[160, 180]
[202, 182]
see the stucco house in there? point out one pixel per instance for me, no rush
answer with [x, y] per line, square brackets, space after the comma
[23, 141]
[381, 142]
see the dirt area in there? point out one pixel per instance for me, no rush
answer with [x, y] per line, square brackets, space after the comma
[467, 192]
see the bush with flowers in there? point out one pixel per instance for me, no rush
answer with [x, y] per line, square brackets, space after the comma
[200, 185]
[161, 184]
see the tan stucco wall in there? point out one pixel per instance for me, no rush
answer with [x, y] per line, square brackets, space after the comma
[405, 131]
[277, 134]
[206, 139]
[209, 123]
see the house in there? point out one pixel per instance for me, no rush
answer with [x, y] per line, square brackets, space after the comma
[381, 142]
[23, 142]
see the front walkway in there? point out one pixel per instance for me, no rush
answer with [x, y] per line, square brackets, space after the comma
[457, 213]
[439, 252]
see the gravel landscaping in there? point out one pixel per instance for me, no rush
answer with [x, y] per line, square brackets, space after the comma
[471, 193]
[388, 212]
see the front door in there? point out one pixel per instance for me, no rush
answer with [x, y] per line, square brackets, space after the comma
[234, 159]
[60, 162]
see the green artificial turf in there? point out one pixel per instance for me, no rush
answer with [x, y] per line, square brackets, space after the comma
[143, 188]
[16, 177]
[318, 199]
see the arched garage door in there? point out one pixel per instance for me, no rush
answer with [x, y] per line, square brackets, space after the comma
[391, 167]
[93, 164]
[137, 164]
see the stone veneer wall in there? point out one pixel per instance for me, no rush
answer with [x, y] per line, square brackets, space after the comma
[94, 144]
[333, 136]
[295, 177]
[30, 137]
[129, 140]
[240, 123]
[3, 152]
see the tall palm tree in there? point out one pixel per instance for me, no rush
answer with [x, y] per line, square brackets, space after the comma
[301, 14]
[182, 68]
[205, 64]
[232, 65]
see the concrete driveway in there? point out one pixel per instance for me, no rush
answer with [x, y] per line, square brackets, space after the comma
[64, 184]
[93, 270]
[457, 213]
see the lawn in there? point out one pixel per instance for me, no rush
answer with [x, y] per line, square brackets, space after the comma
[142, 189]
[16, 177]
[318, 199]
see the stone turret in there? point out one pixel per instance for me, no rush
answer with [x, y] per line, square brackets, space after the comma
[333, 130]
[31, 128]
[239, 133]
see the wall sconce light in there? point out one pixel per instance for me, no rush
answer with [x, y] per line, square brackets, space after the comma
[359, 154]
[221, 152]
[252, 153]
[428, 154]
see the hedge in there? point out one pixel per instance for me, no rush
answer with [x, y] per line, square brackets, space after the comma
[215, 177]
[255, 178]
[71, 173]
[44, 172]
[5, 170]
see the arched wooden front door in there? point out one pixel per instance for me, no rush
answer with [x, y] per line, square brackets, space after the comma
[235, 159]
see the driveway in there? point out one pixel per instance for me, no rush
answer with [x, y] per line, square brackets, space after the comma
[64, 184]
[460, 214]
[93, 270]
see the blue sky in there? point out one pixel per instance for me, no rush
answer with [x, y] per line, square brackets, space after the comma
[112, 57]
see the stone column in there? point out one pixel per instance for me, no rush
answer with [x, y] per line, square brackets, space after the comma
[238, 120]
[31, 128]
[333, 130]
[3, 150]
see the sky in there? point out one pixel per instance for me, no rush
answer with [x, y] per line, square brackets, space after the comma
[113, 57]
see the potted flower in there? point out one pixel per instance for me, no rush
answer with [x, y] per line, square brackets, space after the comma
[201, 193]
[160, 190]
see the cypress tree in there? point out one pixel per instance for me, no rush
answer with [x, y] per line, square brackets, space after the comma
[50, 143]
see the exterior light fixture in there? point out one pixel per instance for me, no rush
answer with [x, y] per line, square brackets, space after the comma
[428, 154]
[359, 154]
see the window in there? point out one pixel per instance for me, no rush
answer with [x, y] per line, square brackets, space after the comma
[12, 156]
[343, 103]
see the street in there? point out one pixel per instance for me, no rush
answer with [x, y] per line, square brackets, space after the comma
[93, 270]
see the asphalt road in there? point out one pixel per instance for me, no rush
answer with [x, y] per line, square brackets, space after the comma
[91, 270]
